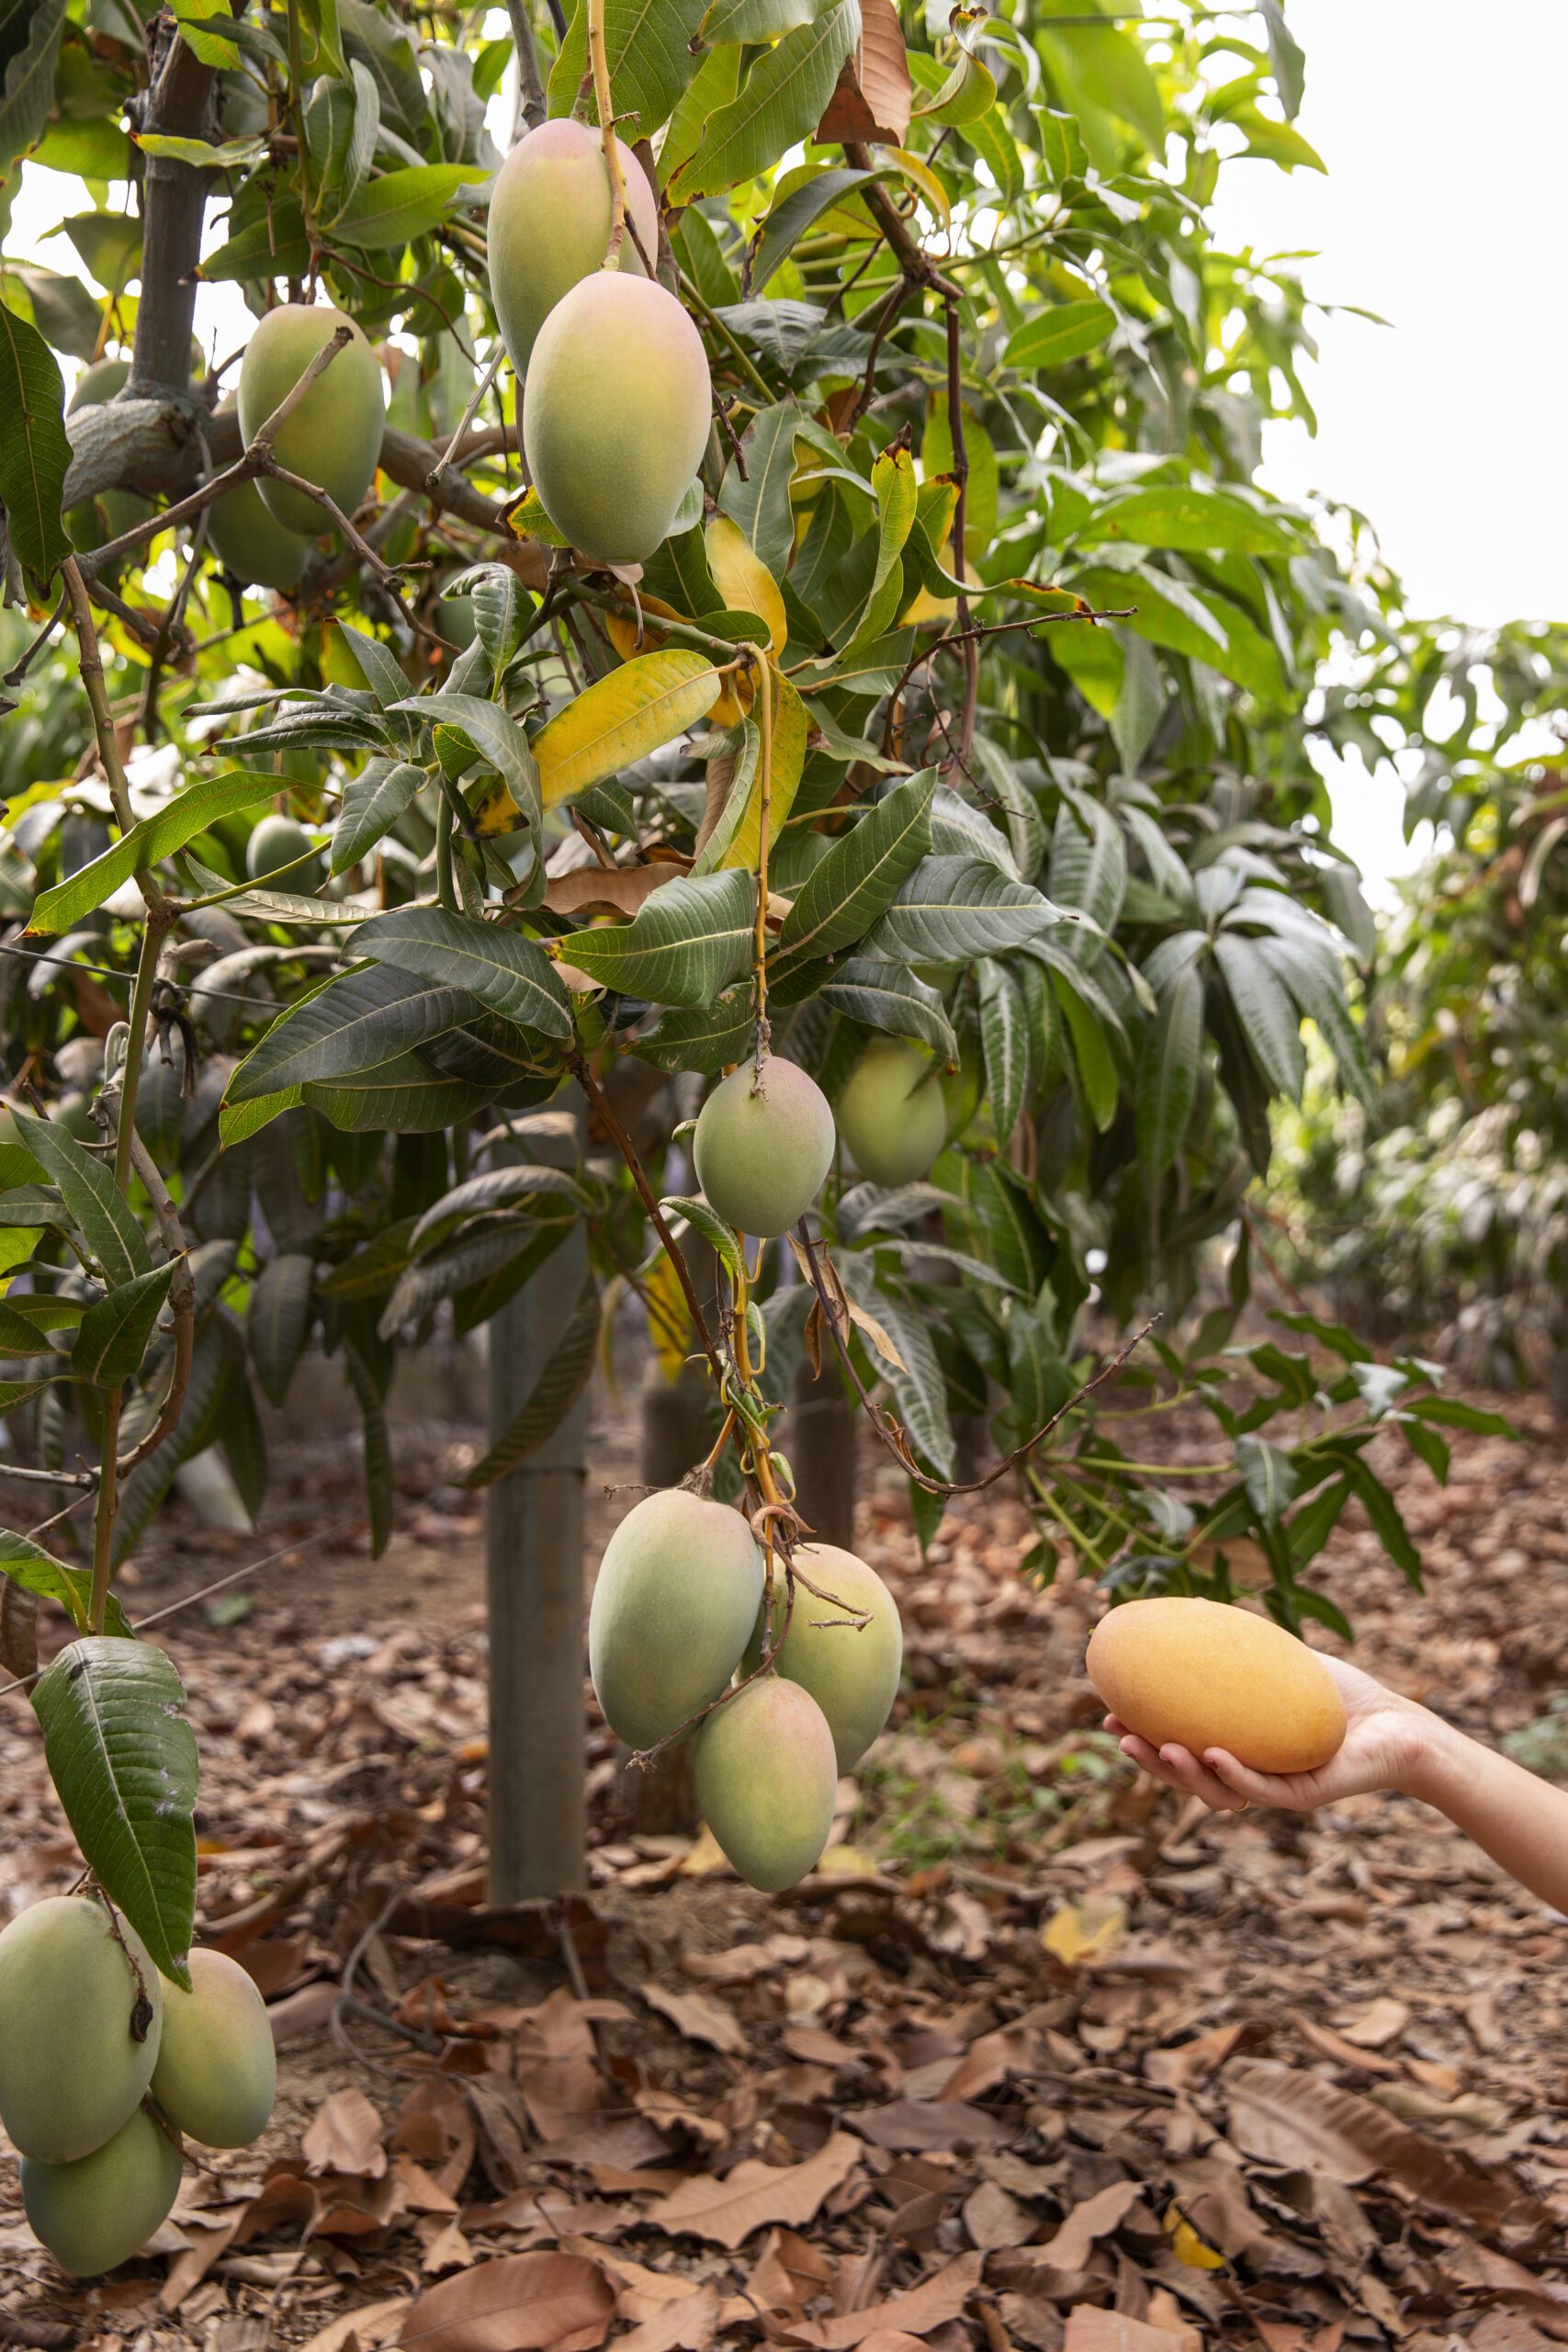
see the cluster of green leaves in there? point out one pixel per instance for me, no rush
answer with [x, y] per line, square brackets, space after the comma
[1098, 884]
[1443, 1205]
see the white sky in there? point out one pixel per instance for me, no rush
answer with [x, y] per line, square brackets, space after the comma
[1441, 125]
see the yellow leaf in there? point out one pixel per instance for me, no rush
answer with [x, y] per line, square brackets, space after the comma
[707, 1858]
[744, 580]
[846, 1861]
[1078, 1933]
[790, 727]
[622, 717]
[669, 1319]
[622, 631]
[1187, 2245]
[924, 181]
[495, 812]
[526, 519]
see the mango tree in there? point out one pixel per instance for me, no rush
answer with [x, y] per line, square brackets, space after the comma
[383, 818]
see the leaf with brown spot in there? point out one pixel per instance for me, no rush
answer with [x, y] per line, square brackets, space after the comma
[347, 2136]
[756, 2196]
[518, 2303]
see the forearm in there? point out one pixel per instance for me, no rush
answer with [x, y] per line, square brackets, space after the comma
[1520, 1821]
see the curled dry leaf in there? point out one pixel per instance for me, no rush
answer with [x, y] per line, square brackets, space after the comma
[874, 98]
[1095, 2218]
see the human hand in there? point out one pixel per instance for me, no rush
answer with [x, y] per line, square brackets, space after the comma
[1384, 1741]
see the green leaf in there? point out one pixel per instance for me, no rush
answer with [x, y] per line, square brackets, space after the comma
[113, 1334]
[756, 20]
[1004, 1042]
[34, 451]
[889, 997]
[553, 1395]
[123, 1761]
[404, 1096]
[275, 245]
[1314, 980]
[721, 1238]
[1453, 1413]
[156, 837]
[1267, 1018]
[791, 217]
[27, 90]
[371, 805]
[498, 740]
[760, 505]
[954, 908]
[38, 1571]
[1088, 873]
[1166, 1082]
[848, 889]
[781, 100]
[510, 974]
[898, 492]
[704, 1038]
[277, 1321]
[404, 205]
[1190, 517]
[377, 1449]
[533, 1188]
[648, 47]
[92, 1199]
[1269, 1476]
[1098, 65]
[1066, 331]
[688, 942]
[358, 1023]
[227, 156]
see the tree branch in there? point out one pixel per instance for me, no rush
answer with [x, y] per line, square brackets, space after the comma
[532, 104]
[179, 104]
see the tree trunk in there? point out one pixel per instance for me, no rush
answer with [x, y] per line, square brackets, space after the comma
[820, 1440]
[534, 1589]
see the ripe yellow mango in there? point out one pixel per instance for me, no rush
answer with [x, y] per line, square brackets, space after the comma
[217, 2073]
[676, 1596]
[851, 1670]
[333, 438]
[616, 409]
[549, 225]
[71, 2070]
[1203, 1674]
[96, 2213]
[892, 1114]
[763, 1144]
[766, 1779]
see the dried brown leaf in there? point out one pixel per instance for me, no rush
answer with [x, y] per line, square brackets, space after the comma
[756, 2196]
[1385, 2020]
[685, 2324]
[874, 100]
[700, 2020]
[347, 2136]
[519, 2302]
[918, 2311]
[372, 2324]
[1089, 2329]
[1288, 2117]
[1073, 2243]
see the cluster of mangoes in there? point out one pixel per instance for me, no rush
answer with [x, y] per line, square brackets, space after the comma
[616, 398]
[677, 1613]
[765, 1137]
[104, 2064]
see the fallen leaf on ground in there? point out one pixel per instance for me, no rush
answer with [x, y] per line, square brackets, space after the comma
[347, 2136]
[756, 2196]
[519, 2302]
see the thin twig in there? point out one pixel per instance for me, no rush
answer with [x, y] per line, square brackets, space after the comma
[961, 475]
[891, 1431]
[598, 61]
[532, 102]
[577, 1063]
[435, 480]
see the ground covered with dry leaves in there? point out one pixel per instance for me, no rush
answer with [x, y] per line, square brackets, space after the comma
[1043, 2060]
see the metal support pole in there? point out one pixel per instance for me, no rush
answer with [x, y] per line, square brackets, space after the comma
[534, 1585]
